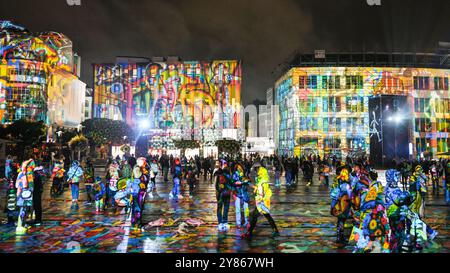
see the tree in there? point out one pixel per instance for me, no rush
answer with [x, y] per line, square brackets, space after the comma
[229, 146]
[184, 144]
[78, 144]
[25, 133]
[105, 131]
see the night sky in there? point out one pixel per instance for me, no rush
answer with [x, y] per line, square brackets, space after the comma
[262, 33]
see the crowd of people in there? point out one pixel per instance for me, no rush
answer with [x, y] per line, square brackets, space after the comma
[388, 216]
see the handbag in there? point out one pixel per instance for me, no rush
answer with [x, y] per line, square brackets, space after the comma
[355, 235]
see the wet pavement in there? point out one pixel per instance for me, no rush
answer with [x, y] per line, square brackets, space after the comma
[302, 215]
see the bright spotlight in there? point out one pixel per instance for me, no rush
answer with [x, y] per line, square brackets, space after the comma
[389, 119]
[144, 124]
[397, 118]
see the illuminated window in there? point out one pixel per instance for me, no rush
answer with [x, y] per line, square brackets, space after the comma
[354, 82]
[422, 83]
[302, 82]
[312, 82]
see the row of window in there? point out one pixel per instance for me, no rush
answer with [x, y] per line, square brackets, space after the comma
[332, 124]
[330, 82]
[333, 142]
[356, 82]
[28, 72]
[423, 83]
[425, 105]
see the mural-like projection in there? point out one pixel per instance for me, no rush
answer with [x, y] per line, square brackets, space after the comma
[168, 95]
[27, 65]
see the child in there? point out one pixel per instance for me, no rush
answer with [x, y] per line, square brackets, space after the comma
[11, 208]
[153, 174]
[262, 199]
[74, 174]
[99, 190]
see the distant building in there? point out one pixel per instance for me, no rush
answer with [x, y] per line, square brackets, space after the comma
[39, 77]
[390, 106]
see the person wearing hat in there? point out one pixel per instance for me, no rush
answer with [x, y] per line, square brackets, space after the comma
[341, 198]
[418, 190]
[262, 200]
[123, 197]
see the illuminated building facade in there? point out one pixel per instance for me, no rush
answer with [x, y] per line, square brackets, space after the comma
[173, 98]
[39, 77]
[388, 110]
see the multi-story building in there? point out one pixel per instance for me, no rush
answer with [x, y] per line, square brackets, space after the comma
[39, 77]
[386, 105]
[170, 98]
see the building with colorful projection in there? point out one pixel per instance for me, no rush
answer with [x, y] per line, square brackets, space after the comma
[39, 77]
[388, 106]
[170, 98]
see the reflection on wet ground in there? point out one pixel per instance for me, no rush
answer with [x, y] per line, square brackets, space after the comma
[302, 215]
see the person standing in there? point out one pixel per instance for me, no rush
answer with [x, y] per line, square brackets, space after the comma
[39, 176]
[89, 180]
[25, 187]
[74, 175]
[223, 195]
[263, 194]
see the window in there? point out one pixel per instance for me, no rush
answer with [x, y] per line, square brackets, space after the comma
[422, 83]
[302, 82]
[355, 104]
[354, 82]
[440, 83]
[312, 82]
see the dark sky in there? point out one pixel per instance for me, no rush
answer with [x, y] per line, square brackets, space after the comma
[262, 33]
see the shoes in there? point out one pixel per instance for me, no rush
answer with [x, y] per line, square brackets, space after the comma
[433, 235]
[275, 234]
[180, 196]
[21, 230]
[220, 227]
[171, 195]
[226, 226]
[246, 235]
[190, 196]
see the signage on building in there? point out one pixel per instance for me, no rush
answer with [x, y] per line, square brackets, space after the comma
[319, 54]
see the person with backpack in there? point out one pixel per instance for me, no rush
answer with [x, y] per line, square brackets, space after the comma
[223, 195]
[263, 194]
[341, 196]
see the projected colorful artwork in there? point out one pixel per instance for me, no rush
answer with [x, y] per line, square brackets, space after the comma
[168, 95]
[27, 63]
[325, 110]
